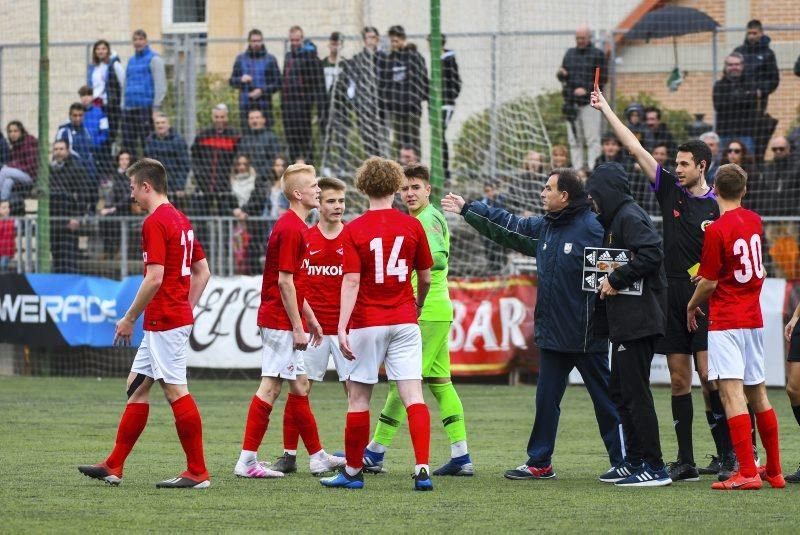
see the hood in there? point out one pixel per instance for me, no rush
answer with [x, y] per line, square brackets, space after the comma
[760, 45]
[308, 47]
[609, 188]
[632, 107]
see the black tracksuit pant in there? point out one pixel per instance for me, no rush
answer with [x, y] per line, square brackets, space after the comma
[629, 388]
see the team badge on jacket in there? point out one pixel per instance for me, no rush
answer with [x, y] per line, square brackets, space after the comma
[567, 248]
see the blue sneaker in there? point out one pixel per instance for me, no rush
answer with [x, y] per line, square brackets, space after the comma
[422, 481]
[373, 461]
[457, 466]
[344, 480]
[619, 472]
[646, 476]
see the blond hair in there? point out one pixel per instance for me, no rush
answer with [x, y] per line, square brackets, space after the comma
[289, 178]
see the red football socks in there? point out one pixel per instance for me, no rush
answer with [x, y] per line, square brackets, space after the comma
[190, 431]
[767, 424]
[305, 422]
[291, 434]
[131, 425]
[257, 422]
[741, 438]
[419, 425]
[356, 438]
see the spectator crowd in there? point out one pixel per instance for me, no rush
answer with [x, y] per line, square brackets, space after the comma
[328, 102]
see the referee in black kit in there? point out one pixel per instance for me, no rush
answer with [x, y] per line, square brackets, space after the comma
[687, 206]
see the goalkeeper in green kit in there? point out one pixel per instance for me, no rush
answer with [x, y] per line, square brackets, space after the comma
[434, 322]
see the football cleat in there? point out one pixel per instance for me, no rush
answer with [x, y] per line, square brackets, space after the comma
[793, 478]
[646, 476]
[530, 472]
[286, 464]
[102, 472]
[738, 482]
[343, 480]
[619, 472]
[728, 467]
[713, 467]
[185, 481]
[422, 481]
[776, 482]
[328, 464]
[459, 466]
[256, 470]
[373, 462]
[679, 471]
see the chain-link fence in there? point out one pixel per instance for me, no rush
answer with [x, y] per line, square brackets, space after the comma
[334, 102]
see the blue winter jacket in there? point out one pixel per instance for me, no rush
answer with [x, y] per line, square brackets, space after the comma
[263, 67]
[563, 313]
[96, 122]
[80, 144]
[172, 151]
[139, 84]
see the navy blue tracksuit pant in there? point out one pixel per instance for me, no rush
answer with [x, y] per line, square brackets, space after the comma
[554, 369]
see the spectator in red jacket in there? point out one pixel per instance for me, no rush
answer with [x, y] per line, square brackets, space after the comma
[212, 159]
[8, 246]
[22, 166]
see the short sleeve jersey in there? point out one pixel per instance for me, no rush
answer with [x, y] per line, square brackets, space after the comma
[323, 268]
[685, 220]
[385, 246]
[285, 251]
[732, 256]
[437, 304]
[168, 240]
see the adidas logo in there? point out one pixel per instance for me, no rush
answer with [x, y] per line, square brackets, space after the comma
[605, 256]
[621, 348]
[590, 281]
[621, 257]
[592, 258]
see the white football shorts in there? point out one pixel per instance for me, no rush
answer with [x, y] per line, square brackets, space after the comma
[278, 356]
[162, 355]
[397, 347]
[316, 359]
[736, 354]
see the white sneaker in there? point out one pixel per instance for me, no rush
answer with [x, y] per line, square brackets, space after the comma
[327, 464]
[257, 470]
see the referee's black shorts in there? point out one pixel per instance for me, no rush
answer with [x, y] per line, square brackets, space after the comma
[678, 339]
[794, 345]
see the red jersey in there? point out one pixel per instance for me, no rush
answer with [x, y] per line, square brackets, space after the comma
[168, 240]
[8, 236]
[732, 256]
[285, 251]
[384, 246]
[323, 269]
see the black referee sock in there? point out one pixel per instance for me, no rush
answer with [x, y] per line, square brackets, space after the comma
[712, 426]
[682, 415]
[721, 429]
[796, 411]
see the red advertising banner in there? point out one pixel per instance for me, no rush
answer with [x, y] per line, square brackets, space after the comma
[492, 325]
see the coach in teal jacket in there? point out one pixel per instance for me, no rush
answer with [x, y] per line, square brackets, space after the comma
[563, 313]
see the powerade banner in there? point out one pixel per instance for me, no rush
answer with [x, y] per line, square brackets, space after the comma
[64, 310]
[493, 318]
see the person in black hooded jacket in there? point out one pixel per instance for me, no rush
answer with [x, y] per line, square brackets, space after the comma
[634, 322]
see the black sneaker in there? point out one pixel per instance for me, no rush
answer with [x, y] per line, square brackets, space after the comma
[713, 467]
[793, 478]
[728, 467]
[183, 482]
[680, 471]
[287, 464]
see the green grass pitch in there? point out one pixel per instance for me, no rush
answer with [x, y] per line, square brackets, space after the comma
[49, 426]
